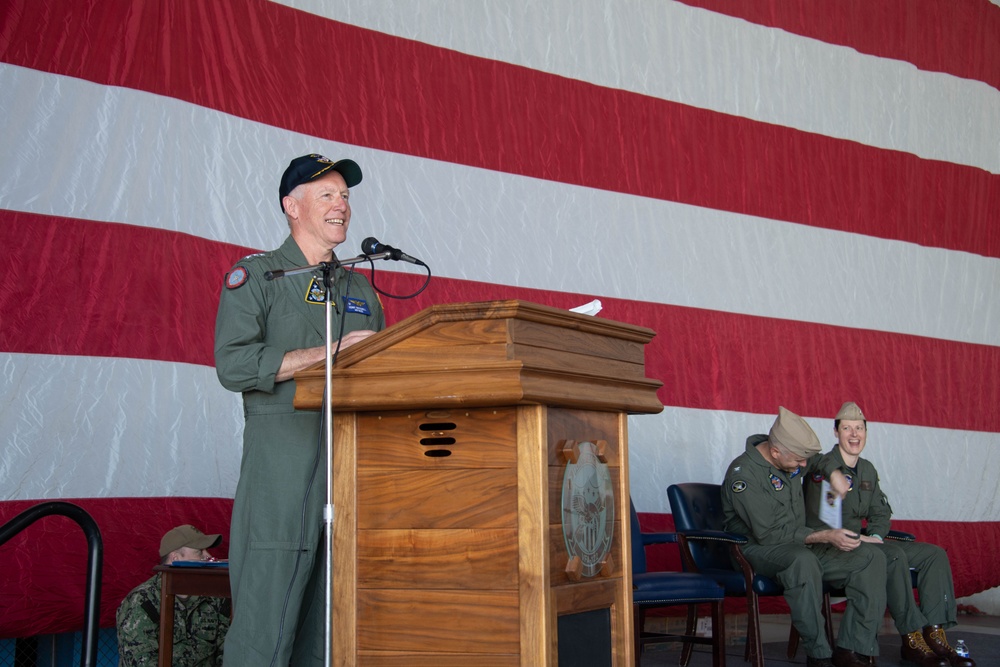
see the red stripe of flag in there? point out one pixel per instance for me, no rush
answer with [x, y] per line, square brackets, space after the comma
[408, 97]
[104, 289]
[960, 38]
[49, 557]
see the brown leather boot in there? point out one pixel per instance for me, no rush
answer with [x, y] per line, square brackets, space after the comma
[818, 662]
[934, 635]
[843, 657]
[916, 651]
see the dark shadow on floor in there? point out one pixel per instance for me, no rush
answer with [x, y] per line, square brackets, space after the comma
[982, 637]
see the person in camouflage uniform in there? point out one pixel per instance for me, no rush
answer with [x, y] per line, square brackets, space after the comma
[200, 623]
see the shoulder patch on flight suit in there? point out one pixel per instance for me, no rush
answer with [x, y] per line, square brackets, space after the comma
[739, 486]
[236, 277]
[817, 477]
[777, 482]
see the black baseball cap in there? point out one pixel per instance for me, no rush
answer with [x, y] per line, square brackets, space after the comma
[310, 167]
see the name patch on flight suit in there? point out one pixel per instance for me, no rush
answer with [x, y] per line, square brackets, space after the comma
[866, 486]
[355, 305]
[777, 482]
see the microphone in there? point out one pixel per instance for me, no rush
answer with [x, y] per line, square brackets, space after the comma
[371, 246]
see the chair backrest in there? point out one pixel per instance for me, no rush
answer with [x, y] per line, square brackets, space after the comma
[638, 546]
[698, 506]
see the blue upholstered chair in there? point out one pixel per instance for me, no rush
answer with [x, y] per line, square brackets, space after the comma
[708, 549]
[666, 589]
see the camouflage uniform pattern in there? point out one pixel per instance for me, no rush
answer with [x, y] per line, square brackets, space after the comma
[200, 625]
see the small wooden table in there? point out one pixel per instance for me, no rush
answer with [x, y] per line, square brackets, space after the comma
[209, 581]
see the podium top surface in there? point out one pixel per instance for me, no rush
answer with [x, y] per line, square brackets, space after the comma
[491, 353]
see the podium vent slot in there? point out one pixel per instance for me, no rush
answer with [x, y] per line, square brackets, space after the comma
[437, 442]
[437, 436]
[437, 453]
[442, 426]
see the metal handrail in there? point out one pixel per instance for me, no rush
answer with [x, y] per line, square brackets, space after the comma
[95, 558]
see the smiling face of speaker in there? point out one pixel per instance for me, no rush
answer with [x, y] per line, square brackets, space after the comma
[319, 213]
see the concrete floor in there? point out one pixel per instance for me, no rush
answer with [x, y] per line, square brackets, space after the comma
[981, 633]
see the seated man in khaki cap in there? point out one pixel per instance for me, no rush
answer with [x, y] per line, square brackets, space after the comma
[762, 499]
[924, 642]
[200, 623]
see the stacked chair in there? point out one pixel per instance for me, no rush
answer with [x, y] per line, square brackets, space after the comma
[652, 590]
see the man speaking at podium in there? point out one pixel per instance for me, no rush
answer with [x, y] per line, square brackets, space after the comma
[267, 330]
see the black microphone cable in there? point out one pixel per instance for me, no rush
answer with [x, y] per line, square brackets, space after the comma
[371, 246]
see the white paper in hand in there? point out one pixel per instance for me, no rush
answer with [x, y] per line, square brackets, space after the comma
[829, 507]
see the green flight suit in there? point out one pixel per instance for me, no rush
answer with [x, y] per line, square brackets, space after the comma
[276, 530]
[765, 504]
[866, 510]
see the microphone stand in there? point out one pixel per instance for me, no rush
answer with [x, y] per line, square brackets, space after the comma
[327, 269]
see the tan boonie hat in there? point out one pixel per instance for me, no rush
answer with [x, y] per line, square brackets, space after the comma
[187, 536]
[794, 434]
[850, 410]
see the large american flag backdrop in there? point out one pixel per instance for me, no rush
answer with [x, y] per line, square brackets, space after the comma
[802, 199]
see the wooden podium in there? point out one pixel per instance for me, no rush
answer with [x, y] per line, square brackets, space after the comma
[466, 438]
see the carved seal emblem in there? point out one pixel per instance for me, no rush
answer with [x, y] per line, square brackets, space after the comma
[588, 508]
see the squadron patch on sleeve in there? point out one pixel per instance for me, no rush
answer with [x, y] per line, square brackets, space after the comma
[817, 477]
[236, 277]
[739, 486]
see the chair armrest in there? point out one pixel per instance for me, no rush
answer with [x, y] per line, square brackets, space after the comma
[714, 536]
[900, 536]
[731, 540]
[658, 538]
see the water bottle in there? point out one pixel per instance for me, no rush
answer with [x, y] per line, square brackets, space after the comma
[961, 649]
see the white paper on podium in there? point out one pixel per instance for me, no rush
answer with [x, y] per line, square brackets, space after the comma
[591, 308]
[829, 508]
